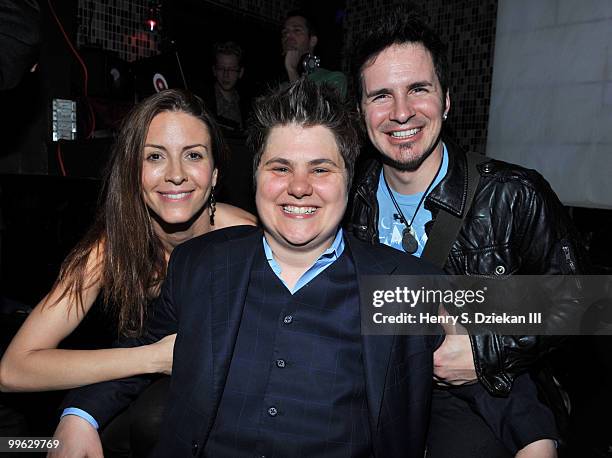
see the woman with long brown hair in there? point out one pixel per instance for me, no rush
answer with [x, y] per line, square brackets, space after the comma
[158, 192]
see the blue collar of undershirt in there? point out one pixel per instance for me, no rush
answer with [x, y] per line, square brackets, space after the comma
[327, 258]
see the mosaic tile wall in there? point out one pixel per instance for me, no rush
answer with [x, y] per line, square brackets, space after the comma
[468, 26]
[269, 10]
[117, 25]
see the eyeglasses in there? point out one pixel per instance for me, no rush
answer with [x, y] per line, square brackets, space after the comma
[229, 70]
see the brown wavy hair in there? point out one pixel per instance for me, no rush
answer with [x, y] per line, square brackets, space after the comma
[133, 265]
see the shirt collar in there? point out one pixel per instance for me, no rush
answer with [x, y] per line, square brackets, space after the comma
[334, 251]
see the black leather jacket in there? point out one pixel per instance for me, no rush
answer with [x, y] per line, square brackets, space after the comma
[516, 225]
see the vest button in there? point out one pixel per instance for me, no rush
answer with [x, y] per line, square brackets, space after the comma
[280, 363]
[272, 412]
[194, 448]
[288, 319]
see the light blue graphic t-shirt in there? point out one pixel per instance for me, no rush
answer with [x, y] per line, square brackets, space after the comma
[390, 229]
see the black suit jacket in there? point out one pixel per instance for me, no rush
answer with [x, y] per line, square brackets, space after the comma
[203, 298]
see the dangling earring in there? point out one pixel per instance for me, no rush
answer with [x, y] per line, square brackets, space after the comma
[212, 204]
[444, 116]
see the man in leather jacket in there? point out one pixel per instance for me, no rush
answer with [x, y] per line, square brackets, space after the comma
[514, 225]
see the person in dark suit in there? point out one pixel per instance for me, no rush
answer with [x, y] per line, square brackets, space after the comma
[269, 358]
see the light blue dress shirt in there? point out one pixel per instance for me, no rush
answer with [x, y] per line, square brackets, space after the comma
[326, 259]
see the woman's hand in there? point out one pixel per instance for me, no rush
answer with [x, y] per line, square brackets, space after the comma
[161, 354]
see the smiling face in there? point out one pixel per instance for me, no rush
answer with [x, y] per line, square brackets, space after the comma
[178, 170]
[403, 105]
[301, 188]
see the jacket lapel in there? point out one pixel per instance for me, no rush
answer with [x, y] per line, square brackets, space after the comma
[228, 289]
[376, 349]
[451, 193]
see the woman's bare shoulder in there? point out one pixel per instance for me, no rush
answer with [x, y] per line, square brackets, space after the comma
[228, 215]
[95, 260]
[78, 284]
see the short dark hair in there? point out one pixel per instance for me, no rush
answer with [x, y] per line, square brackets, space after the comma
[310, 23]
[230, 48]
[306, 104]
[399, 28]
